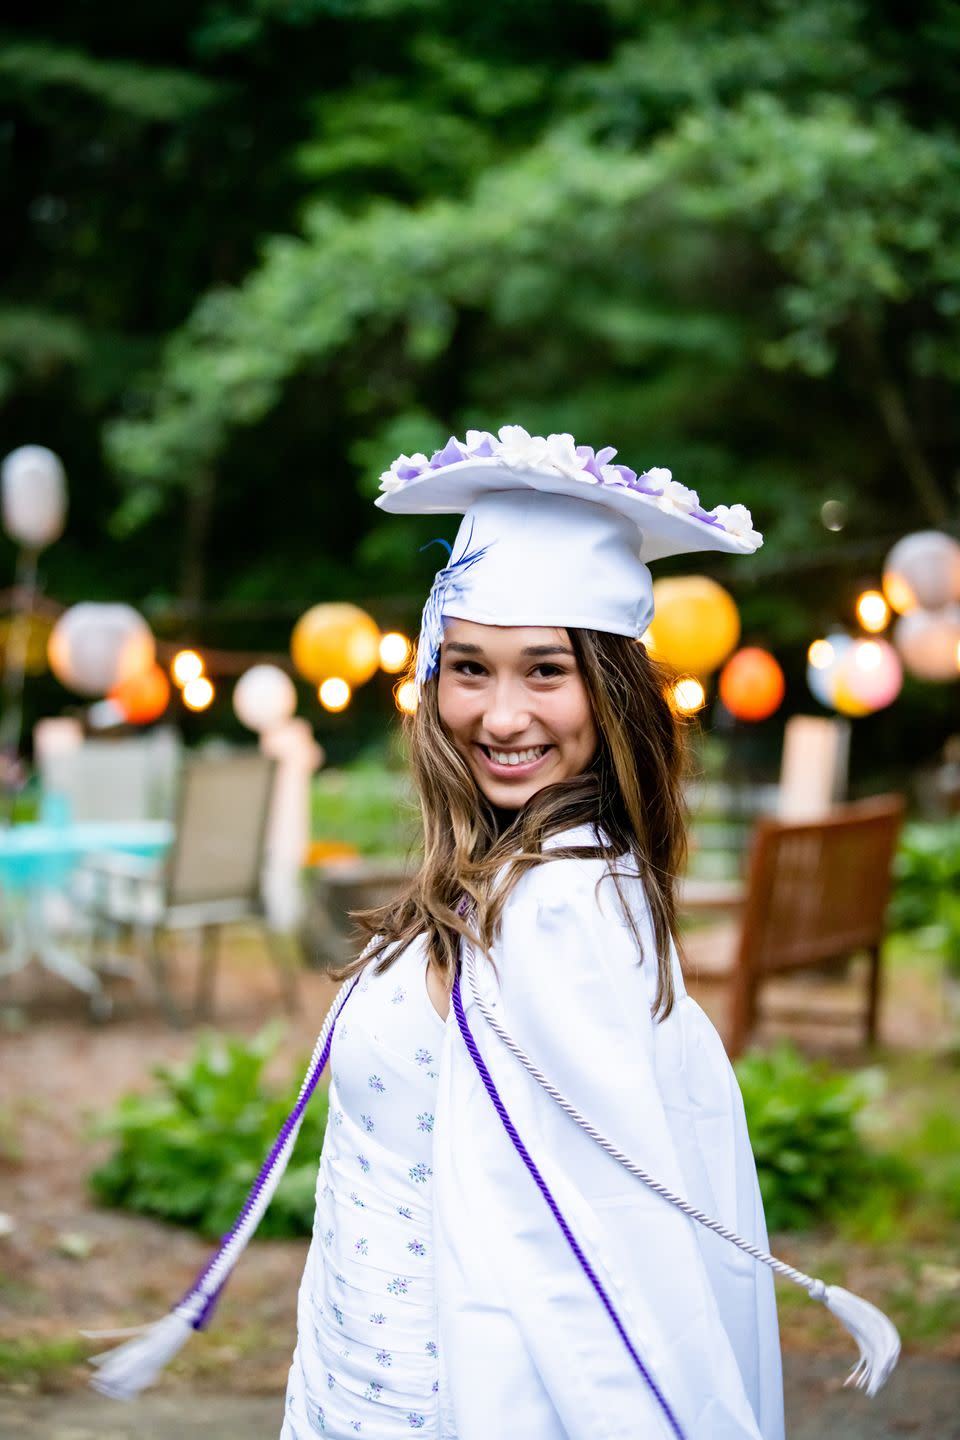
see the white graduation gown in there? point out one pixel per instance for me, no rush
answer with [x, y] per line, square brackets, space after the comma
[527, 1350]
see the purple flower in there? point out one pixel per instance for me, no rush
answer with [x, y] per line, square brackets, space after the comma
[367, 1122]
[377, 1084]
[425, 1122]
[416, 1247]
[321, 1418]
[405, 1211]
[361, 1245]
[415, 1421]
[451, 454]
[423, 1057]
[398, 1285]
[398, 996]
[356, 1425]
[338, 1117]
[360, 1204]
[330, 1381]
[378, 1318]
[364, 1164]
[337, 1314]
[435, 1387]
[373, 1391]
[383, 1357]
[431, 1348]
[420, 1173]
[328, 1237]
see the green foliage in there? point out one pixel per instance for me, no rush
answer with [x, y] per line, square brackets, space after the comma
[366, 805]
[190, 1150]
[927, 889]
[812, 1162]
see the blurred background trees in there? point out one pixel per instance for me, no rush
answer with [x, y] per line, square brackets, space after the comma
[253, 249]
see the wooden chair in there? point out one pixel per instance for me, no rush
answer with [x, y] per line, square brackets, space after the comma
[816, 895]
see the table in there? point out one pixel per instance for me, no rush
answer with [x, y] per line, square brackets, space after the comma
[36, 861]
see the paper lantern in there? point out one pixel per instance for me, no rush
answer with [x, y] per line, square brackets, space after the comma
[695, 624]
[922, 571]
[264, 697]
[143, 697]
[687, 695]
[751, 684]
[95, 647]
[334, 694]
[336, 639]
[928, 642]
[870, 677]
[34, 496]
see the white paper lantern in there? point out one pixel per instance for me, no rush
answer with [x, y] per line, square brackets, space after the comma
[929, 642]
[96, 646]
[922, 570]
[822, 678]
[870, 675]
[264, 697]
[34, 489]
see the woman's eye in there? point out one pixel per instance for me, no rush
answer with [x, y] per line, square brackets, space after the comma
[548, 672]
[466, 667]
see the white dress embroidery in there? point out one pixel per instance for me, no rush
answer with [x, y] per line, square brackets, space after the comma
[366, 1361]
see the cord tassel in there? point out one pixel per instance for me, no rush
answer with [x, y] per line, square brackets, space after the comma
[123, 1372]
[876, 1337]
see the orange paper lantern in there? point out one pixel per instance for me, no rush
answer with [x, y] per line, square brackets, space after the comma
[695, 624]
[142, 697]
[751, 684]
[336, 639]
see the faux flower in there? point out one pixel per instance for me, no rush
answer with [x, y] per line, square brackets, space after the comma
[480, 444]
[520, 450]
[676, 497]
[737, 520]
[404, 468]
[562, 455]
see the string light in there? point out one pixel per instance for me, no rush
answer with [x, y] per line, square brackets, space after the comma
[688, 695]
[394, 649]
[406, 697]
[186, 666]
[873, 612]
[821, 654]
[334, 694]
[198, 693]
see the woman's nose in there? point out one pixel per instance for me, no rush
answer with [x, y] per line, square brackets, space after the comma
[508, 712]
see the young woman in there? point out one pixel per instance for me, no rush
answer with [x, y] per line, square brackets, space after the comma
[537, 1210]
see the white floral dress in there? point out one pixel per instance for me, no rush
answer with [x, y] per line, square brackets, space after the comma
[367, 1361]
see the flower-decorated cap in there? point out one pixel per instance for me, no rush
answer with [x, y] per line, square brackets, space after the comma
[553, 533]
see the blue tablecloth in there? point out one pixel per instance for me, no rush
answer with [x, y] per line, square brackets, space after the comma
[44, 854]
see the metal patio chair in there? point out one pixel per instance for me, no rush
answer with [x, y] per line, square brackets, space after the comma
[211, 877]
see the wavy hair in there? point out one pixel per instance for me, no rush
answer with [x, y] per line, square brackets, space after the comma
[631, 793]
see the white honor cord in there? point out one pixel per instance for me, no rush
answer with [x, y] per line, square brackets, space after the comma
[874, 1332]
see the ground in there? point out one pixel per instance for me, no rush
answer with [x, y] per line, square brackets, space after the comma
[67, 1266]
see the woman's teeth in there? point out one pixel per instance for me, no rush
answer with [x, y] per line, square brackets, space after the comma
[517, 757]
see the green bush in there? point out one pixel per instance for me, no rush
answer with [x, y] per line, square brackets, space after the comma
[812, 1161]
[189, 1151]
[366, 805]
[927, 889]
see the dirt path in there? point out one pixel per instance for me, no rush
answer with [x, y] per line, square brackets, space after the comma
[922, 1399]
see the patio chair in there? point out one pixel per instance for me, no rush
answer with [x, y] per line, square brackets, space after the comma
[211, 877]
[816, 895]
[131, 778]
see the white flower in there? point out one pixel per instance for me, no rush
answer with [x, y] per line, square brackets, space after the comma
[403, 469]
[562, 455]
[658, 475]
[389, 481]
[519, 449]
[676, 498]
[475, 441]
[611, 476]
[737, 520]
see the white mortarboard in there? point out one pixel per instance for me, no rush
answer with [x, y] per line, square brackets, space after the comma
[553, 533]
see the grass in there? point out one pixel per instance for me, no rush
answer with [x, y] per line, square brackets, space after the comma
[40, 1363]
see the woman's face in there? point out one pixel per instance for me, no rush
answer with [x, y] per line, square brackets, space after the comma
[513, 702]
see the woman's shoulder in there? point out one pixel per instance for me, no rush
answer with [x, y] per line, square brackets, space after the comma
[581, 882]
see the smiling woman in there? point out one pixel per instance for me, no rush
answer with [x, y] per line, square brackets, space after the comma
[520, 1016]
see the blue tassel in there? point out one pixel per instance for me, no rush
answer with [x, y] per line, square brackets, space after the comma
[447, 583]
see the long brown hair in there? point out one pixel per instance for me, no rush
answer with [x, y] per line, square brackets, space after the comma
[631, 793]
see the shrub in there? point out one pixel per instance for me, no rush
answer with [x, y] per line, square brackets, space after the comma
[927, 890]
[190, 1150]
[812, 1161]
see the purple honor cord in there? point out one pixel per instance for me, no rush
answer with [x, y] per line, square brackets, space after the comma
[554, 1208]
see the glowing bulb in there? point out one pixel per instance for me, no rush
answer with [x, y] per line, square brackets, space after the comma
[394, 649]
[187, 665]
[688, 694]
[334, 694]
[873, 612]
[406, 697]
[820, 654]
[867, 655]
[197, 693]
